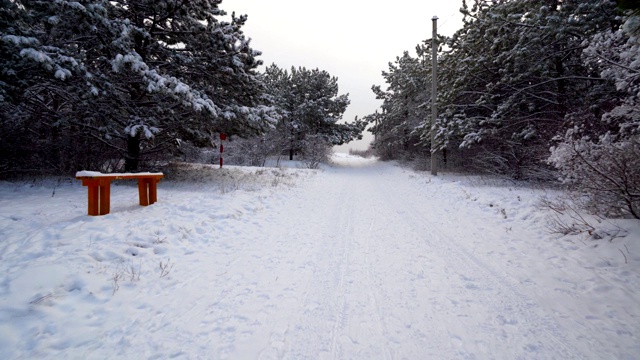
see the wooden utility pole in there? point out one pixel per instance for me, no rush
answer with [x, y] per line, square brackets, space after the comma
[434, 95]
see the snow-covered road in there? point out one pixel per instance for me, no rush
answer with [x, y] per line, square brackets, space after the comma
[369, 268]
[363, 260]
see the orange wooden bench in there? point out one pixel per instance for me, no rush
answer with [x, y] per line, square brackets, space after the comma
[99, 187]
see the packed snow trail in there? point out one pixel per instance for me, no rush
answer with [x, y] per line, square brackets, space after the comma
[359, 261]
[377, 274]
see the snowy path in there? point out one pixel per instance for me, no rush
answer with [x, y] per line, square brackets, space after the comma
[356, 262]
[376, 274]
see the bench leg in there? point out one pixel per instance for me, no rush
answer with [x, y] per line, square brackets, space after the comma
[143, 191]
[105, 197]
[153, 191]
[93, 200]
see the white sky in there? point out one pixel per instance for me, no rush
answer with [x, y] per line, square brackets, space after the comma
[353, 40]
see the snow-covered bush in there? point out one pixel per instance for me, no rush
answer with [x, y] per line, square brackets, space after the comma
[607, 172]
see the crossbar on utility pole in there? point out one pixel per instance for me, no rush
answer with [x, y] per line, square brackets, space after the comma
[434, 95]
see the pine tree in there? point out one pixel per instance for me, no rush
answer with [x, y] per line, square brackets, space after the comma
[200, 69]
[135, 77]
[406, 106]
[40, 78]
[514, 77]
[309, 104]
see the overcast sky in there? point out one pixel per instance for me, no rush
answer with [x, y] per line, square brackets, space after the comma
[353, 40]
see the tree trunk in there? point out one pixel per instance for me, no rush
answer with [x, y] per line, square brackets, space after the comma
[444, 158]
[132, 157]
[291, 154]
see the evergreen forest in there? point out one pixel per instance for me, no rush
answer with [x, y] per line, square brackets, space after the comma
[529, 90]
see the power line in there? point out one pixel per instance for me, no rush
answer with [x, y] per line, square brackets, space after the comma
[449, 18]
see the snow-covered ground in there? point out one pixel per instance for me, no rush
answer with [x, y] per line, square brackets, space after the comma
[361, 260]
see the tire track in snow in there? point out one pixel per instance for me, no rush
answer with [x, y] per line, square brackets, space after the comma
[411, 327]
[342, 309]
[357, 316]
[338, 314]
[304, 331]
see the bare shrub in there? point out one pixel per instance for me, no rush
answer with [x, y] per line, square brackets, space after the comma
[187, 152]
[565, 218]
[165, 268]
[253, 151]
[117, 276]
[316, 150]
[124, 271]
[514, 161]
